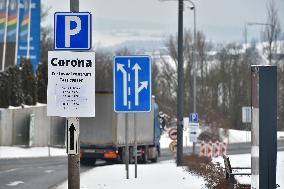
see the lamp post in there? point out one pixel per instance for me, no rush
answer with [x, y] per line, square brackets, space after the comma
[180, 91]
[256, 24]
[180, 88]
[194, 61]
[193, 55]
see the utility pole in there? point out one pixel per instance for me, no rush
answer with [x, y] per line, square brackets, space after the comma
[194, 61]
[180, 91]
[74, 160]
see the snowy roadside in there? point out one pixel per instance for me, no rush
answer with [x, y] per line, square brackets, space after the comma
[244, 160]
[7, 152]
[163, 175]
[235, 136]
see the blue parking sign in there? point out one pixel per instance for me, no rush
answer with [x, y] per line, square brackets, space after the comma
[193, 118]
[132, 84]
[72, 31]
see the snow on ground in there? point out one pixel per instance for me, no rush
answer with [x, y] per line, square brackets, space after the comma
[244, 160]
[18, 152]
[163, 175]
[237, 136]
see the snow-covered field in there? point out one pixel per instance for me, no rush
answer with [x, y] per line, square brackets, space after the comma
[18, 152]
[163, 175]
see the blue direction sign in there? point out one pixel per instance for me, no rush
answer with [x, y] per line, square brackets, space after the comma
[193, 118]
[72, 31]
[132, 84]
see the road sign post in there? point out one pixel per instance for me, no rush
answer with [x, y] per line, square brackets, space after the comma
[132, 93]
[71, 80]
[135, 145]
[74, 160]
[193, 129]
[126, 147]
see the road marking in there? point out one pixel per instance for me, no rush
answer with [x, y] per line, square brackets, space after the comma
[15, 183]
[129, 105]
[49, 171]
[8, 171]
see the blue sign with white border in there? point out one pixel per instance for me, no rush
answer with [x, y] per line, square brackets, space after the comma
[72, 31]
[193, 118]
[132, 84]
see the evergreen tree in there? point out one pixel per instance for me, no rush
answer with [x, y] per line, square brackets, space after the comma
[4, 99]
[42, 82]
[28, 82]
[14, 88]
[10, 88]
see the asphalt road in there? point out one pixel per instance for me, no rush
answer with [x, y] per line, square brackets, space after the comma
[47, 172]
[34, 173]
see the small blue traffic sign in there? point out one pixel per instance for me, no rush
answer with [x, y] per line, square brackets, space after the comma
[193, 118]
[72, 31]
[132, 84]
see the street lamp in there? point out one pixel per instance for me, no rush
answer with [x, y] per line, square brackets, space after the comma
[193, 55]
[255, 24]
[181, 77]
[193, 7]
[180, 88]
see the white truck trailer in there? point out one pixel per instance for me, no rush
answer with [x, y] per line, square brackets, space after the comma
[103, 137]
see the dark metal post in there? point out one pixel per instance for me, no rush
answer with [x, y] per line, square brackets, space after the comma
[135, 143]
[74, 5]
[180, 90]
[74, 160]
[264, 126]
[126, 147]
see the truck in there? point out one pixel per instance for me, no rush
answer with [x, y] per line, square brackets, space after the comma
[103, 137]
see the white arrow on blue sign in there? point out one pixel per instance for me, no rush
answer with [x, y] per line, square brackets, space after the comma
[193, 118]
[132, 84]
[72, 31]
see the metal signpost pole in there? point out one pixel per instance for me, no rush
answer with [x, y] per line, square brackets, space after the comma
[126, 147]
[135, 144]
[180, 85]
[194, 65]
[74, 160]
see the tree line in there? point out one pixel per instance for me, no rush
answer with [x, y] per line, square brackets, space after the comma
[223, 75]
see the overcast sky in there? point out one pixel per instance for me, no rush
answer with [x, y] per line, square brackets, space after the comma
[115, 21]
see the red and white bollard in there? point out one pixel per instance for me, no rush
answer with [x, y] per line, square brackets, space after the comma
[216, 149]
[224, 148]
[202, 150]
[210, 150]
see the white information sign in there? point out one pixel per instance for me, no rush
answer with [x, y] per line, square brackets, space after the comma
[193, 131]
[246, 114]
[71, 84]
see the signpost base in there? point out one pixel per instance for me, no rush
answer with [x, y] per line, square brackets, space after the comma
[74, 171]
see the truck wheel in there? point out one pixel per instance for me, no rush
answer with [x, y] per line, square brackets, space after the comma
[145, 155]
[155, 159]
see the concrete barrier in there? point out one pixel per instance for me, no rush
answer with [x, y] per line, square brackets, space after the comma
[15, 127]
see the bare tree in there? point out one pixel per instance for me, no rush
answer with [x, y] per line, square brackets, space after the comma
[272, 31]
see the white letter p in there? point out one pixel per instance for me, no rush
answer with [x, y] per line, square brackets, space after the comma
[68, 31]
